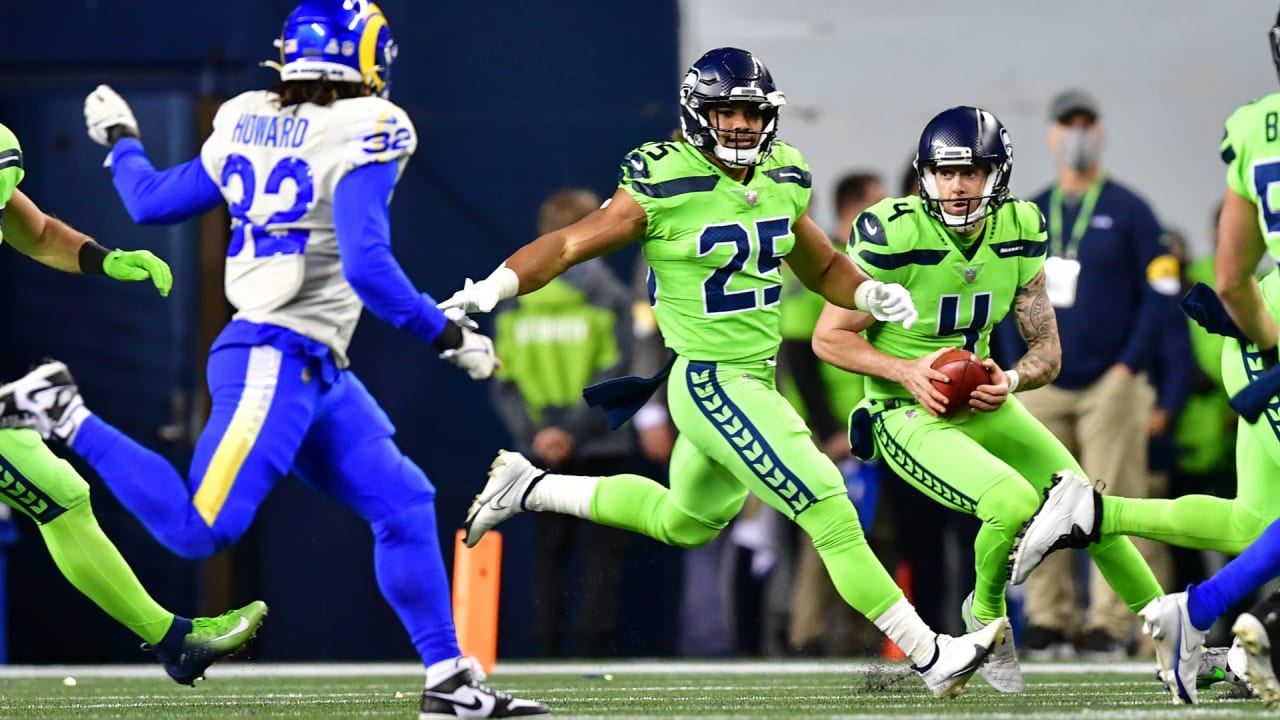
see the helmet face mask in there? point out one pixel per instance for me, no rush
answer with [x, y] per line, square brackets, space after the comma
[1273, 36]
[725, 77]
[340, 41]
[965, 136]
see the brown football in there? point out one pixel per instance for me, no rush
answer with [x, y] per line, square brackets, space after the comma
[965, 372]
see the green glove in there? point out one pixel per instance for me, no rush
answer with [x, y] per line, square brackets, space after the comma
[131, 265]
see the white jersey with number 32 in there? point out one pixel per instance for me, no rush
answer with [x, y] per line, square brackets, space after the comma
[278, 169]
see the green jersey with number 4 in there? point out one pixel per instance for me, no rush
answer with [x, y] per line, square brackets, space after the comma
[960, 286]
[10, 167]
[715, 246]
[1251, 150]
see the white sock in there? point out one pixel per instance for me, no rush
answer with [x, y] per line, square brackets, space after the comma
[902, 624]
[70, 425]
[564, 494]
[442, 670]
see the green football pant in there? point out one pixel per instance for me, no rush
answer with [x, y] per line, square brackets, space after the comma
[739, 435]
[45, 488]
[996, 466]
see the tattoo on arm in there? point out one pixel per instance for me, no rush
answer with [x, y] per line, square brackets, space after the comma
[1039, 328]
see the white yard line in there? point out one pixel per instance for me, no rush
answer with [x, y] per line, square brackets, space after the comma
[515, 669]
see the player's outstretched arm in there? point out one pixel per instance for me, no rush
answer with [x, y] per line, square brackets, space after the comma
[1039, 328]
[618, 222]
[1240, 247]
[362, 224]
[838, 340]
[834, 276]
[151, 196]
[52, 242]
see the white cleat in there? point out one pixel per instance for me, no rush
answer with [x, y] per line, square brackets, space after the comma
[1179, 645]
[510, 477]
[956, 659]
[48, 400]
[1252, 635]
[1001, 670]
[1069, 517]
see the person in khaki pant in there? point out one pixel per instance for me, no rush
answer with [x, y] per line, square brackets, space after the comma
[1113, 286]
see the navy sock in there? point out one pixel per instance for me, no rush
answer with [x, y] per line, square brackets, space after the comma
[171, 644]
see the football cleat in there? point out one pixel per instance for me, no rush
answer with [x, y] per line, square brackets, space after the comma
[461, 695]
[511, 476]
[210, 640]
[1069, 517]
[1252, 633]
[956, 659]
[1179, 644]
[48, 399]
[1001, 670]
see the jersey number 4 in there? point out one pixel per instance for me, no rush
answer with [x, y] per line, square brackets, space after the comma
[265, 242]
[949, 318]
[717, 299]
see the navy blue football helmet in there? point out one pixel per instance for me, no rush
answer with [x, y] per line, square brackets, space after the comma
[723, 76]
[965, 135]
[340, 40]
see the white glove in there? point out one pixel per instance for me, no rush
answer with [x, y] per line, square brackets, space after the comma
[888, 302]
[459, 318]
[104, 109]
[482, 296]
[475, 355]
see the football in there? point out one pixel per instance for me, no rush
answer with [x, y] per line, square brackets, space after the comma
[966, 372]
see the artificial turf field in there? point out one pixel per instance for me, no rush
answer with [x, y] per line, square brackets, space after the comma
[637, 690]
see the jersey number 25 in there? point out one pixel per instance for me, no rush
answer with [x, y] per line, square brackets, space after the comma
[717, 299]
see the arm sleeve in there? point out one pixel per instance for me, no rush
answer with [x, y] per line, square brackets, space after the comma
[362, 222]
[160, 197]
[1149, 257]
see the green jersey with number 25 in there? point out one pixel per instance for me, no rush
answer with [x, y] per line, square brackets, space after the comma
[715, 246]
[961, 287]
[1251, 150]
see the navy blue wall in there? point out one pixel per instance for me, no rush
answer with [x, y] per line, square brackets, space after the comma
[511, 100]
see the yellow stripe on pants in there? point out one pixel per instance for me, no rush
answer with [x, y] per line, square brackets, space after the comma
[241, 433]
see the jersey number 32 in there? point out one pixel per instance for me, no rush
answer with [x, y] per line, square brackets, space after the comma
[268, 242]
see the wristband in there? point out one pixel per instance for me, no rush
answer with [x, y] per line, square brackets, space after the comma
[450, 337]
[862, 292]
[1013, 378]
[91, 257]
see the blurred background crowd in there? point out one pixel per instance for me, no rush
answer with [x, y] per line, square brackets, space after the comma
[1115, 111]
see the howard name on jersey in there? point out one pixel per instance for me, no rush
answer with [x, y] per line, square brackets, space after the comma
[960, 292]
[278, 169]
[715, 246]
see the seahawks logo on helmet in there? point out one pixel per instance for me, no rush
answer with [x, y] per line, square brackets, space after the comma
[723, 76]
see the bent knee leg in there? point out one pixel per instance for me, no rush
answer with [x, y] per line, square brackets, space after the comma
[1008, 504]
[683, 530]
[36, 482]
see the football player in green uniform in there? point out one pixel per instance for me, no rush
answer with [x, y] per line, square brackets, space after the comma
[1248, 228]
[970, 254]
[45, 488]
[717, 213]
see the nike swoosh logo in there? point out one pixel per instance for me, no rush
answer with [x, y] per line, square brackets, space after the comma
[868, 228]
[496, 501]
[463, 697]
[239, 628]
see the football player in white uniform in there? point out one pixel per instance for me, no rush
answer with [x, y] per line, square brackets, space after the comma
[306, 170]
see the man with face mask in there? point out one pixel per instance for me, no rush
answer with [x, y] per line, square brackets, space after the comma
[1112, 284]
